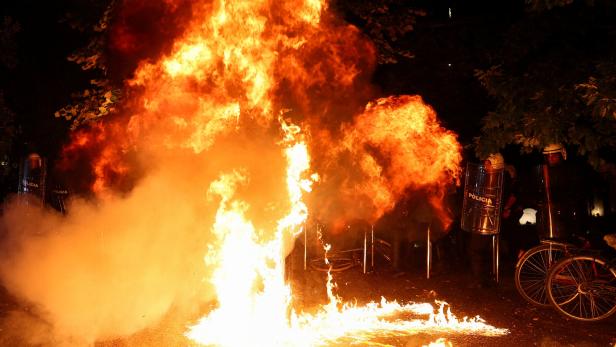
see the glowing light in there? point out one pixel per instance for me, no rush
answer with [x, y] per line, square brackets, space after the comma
[529, 216]
[597, 209]
[441, 342]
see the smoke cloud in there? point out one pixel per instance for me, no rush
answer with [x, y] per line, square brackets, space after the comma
[115, 266]
[203, 102]
[108, 269]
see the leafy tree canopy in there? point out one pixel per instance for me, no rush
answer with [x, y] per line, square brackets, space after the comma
[553, 81]
[100, 98]
[385, 22]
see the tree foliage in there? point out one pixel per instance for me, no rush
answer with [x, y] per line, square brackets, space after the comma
[553, 82]
[101, 97]
[599, 91]
[385, 22]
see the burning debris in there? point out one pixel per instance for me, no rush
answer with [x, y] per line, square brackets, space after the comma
[253, 109]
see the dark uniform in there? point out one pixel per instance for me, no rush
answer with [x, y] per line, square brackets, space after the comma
[564, 211]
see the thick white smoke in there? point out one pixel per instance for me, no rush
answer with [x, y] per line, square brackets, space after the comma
[113, 267]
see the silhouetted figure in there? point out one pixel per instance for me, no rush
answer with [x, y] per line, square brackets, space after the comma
[482, 221]
[32, 179]
[512, 211]
[57, 191]
[564, 211]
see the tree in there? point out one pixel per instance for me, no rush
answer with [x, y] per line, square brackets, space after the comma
[553, 81]
[121, 35]
[385, 22]
[100, 98]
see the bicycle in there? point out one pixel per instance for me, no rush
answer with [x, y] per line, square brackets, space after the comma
[582, 286]
[532, 269]
[337, 261]
[342, 260]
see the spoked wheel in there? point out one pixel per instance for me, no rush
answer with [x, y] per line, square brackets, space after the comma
[583, 287]
[335, 262]
[532, 269]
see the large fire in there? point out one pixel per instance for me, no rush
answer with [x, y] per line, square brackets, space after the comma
[258, 115]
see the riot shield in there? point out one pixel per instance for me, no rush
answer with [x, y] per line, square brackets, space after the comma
[32, 175]
[57, 197]
[481, 206]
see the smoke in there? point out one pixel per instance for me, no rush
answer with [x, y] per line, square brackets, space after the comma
[107, 269]
[115, 266]
[204, 102]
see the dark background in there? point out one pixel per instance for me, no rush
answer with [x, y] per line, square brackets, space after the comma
[449, 44]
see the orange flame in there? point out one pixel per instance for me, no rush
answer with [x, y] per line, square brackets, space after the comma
[395, 147]
[253, 86]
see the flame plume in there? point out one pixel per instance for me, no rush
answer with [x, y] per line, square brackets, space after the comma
[256, 113]
[394, 146]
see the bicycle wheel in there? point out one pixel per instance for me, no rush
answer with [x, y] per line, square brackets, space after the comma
[583, 287]
[336, 263]
[532, 269]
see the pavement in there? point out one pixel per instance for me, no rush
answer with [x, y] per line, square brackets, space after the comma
[499, 305]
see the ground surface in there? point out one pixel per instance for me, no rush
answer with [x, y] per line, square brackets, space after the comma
[500, 306]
